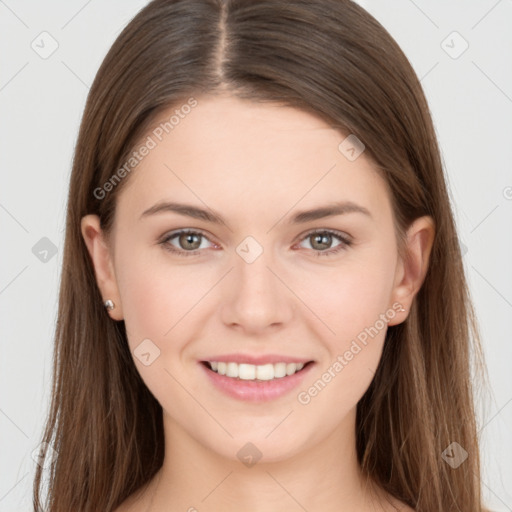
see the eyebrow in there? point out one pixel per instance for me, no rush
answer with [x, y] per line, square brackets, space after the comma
[301, 217]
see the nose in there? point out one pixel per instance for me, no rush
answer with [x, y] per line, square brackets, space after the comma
[257, 299]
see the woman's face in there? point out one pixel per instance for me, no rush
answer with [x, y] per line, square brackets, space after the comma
[259, 279]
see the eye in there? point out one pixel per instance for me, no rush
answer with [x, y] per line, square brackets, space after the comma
[321, 241]
[189, 242]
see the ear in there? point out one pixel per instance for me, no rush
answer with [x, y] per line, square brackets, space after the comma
[412, 269]
[102, 261]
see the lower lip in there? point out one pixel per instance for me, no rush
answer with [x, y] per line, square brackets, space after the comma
[256, 391]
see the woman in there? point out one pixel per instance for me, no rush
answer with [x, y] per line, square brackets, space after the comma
[263, 305]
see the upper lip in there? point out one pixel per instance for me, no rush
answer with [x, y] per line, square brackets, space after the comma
[257, 360]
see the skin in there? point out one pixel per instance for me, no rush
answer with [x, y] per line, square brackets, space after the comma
[256, 165]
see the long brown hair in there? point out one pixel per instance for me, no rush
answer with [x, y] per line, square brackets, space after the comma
[332, 59]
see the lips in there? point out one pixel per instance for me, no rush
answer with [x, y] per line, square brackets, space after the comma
[256, 360]
[250, 388]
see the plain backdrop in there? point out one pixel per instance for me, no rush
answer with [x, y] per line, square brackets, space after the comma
[462, 52]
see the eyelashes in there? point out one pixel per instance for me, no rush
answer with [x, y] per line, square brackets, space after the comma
[178, 234]
[323, 236]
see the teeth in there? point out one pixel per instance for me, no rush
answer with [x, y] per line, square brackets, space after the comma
[231, 370]
[252, 372]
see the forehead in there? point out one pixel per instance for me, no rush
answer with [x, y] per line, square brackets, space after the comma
[244, 157]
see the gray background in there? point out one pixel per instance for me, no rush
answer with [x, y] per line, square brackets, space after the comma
[41, 102]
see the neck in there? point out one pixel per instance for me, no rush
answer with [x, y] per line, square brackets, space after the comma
[325, 477]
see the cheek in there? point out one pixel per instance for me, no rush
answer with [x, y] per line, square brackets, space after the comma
[160, 303]
[353, 354]
[159, 297]
[352, 296]
[353, 301]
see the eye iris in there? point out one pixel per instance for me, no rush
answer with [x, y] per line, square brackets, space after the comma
[188, 238]
[323, 239]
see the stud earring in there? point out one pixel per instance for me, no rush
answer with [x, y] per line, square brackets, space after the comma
[109, 304]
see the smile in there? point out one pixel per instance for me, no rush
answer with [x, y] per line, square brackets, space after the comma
[255, 372]
[255, 383]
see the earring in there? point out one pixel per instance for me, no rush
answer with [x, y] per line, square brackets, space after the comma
[109, 304]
